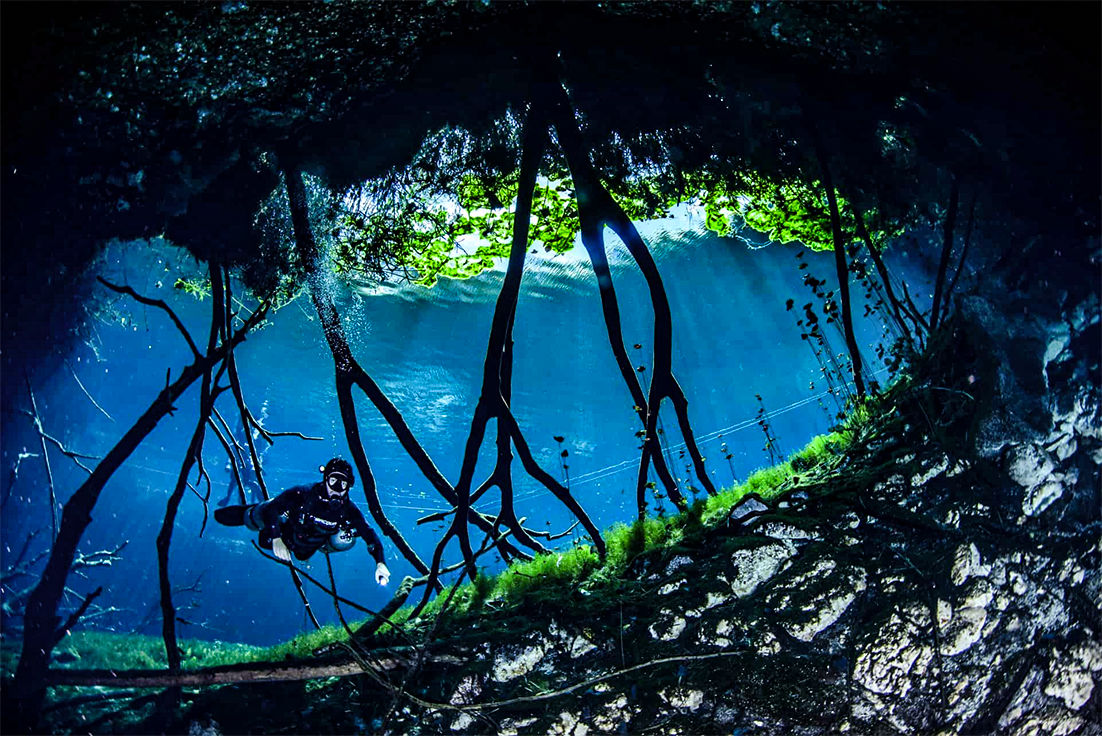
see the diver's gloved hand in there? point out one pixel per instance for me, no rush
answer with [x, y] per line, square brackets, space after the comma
[382, 574]
[279, 549]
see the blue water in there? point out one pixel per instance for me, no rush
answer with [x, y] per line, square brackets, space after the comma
[733, 338]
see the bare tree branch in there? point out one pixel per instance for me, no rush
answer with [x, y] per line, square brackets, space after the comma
[45, 457]
[94, 402]
[72, 620]
[154, 303]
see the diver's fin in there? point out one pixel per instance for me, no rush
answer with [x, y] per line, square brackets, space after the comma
[231, 515]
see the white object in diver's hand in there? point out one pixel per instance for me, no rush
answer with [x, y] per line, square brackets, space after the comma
[382, 574]
[279, 549]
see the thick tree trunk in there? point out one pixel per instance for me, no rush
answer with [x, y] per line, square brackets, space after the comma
[349, 373]
[194, 450]
[491, 402]
[840, 264]
[593, 240]
[946, 252]
[597, 208]
[963, 252]
[502, 475]
[343, 360]
[41, 619]
[882, 270]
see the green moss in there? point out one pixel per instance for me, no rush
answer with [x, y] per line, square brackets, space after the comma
[305, 644]
[547, 573]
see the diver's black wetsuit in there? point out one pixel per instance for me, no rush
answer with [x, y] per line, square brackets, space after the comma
[305, 521]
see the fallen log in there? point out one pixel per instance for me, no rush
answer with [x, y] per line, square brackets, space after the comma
[238, 673]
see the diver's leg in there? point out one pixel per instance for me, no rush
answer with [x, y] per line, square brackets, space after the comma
[231, 515]
[251, 516]
[229, 495]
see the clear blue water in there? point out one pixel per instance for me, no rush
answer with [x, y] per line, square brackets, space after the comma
[733, 338]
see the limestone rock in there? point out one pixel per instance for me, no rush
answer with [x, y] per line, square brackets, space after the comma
[755, 566]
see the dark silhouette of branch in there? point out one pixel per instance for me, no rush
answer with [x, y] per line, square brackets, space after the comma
[914, 311]
[839, 260]
[491, 402]
[946, 252]
[348, 372]
[194, 454]
[246, 415]
[40, 620]
[17, 569]
[593, 239]
[501, 476]
[551, 537]
[596, 209]
[234, 467]
[45, 457]
[305, 599]
[160, 305]
[154, 607]
[964, 251]
[75, 616]
[882, 270]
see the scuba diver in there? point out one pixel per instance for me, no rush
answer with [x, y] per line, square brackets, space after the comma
[306, 518]
[250, 486]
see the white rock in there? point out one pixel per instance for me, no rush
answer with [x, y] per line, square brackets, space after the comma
[668, 627]
[462, 722]
[1070, 677]
[468, 690]
[779, 530]
[755, 566]
[568, 725]
[1056, 346]
[509, 666]
[1029, 465]
[1066, 448]
[920, 479]
[896, 657]
[963, 631]
[966, 563]
[715, 599]
[821, 610]
[944, 613]
[978, 595]
[614, 715]
[1049, 724]
[1040, 497]
[670, 587]
[677, 562]
[683, 698]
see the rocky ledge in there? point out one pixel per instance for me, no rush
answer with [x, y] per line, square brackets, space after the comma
[941, 575]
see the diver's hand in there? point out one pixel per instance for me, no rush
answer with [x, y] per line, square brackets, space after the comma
[279, 549]
[382, 574]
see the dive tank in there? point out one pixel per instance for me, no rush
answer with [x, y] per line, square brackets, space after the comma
[341, 541]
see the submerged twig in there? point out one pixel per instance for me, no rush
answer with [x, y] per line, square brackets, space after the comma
[45, 457]
[154, 303]
[94, 402]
